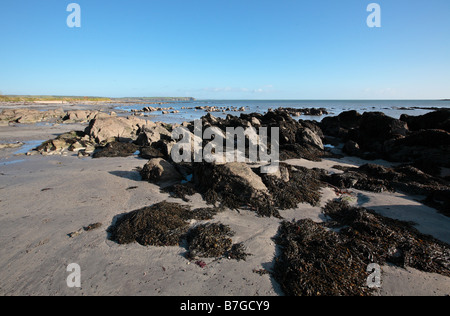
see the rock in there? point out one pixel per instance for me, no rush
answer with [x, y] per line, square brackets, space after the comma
[151, 134]
[255, 122]
[297, 139]
[77, 116]
[11, 145]
[164, 146]
[440, 200]
[61, 143]
[234, 185]
[29, 116]
[158, 170]
[82, 153]
[109, 129]
[351, 148]
[376, 127]
[307, 136]
[434, 120]
[76, 146]
[84, 116]
[303, 111]
[338, 126]
[421, 146]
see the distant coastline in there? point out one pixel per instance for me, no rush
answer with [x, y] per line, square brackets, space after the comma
[72, 99]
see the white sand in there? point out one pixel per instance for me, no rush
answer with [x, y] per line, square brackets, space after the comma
[35, 248]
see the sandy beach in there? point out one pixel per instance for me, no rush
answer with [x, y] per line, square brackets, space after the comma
[44, 199]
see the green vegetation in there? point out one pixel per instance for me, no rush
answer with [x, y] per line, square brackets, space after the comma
[39, 98]
[29, 98]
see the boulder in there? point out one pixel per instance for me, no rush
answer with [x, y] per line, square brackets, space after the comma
[351, 148]
[338, 126]
[234, 185]
[307, 136]
[152, 133]
[158, 170]
[376, 127]
[431, 146]
[104, 130]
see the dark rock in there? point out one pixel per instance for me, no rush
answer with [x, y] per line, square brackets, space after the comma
[440, 200]
[434, 120]
[431, 145]
[376, 127]
[352, 148]
[338, 126]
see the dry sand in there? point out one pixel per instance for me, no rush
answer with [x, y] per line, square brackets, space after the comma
[43, 199]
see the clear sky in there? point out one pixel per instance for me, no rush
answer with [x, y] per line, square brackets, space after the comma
[227, 49]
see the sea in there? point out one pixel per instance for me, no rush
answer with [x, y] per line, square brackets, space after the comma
[392, 108]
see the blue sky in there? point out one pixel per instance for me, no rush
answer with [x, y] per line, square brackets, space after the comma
[227, 49]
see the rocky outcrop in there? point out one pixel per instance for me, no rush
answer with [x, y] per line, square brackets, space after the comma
[28, 116]
[67, 142]
[303, 111]
[83, 116]
[435, 120]
[104, 130]
[422, 141]
[235, 185]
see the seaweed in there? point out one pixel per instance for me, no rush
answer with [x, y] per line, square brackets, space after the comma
[116, 149]
[302, 186]
[162, 224]
[214, 241]
[331, 258]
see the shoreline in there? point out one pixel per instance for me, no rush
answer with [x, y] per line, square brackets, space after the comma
[62, 193]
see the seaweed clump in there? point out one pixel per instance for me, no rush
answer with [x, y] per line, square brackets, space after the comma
[294, 185]
[167, 224]
[116, 149]
[214, 240]
[316, 260]
[236, 185]
[163, 224]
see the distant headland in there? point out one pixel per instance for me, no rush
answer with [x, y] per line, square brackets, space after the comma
[77, 99]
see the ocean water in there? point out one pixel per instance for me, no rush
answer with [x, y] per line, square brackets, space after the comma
[393, 108]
